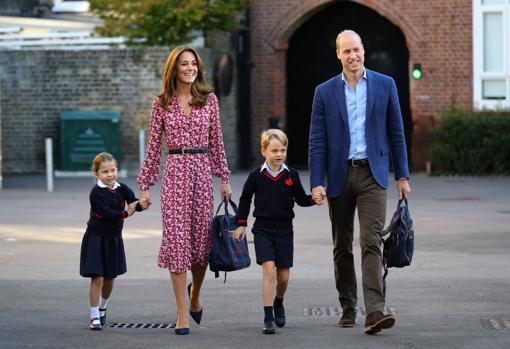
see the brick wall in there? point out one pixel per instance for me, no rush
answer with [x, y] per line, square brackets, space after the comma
[36, 85]
[438, 35]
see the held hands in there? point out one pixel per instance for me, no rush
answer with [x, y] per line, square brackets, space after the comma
[403, 188]
[131, 208]
[145, 199]
[319, 194]
[226, 191]
[239, 233]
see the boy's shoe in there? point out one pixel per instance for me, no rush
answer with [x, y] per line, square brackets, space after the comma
[95, 324]
[279, 314]
[377, 321]
[268, 328]
[102, 316]
[348, 318]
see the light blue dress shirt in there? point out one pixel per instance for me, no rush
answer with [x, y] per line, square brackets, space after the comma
[356, 100]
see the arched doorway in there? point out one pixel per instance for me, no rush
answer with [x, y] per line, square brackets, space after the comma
[311, 60]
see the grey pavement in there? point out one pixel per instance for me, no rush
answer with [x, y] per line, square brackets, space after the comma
[458, 280]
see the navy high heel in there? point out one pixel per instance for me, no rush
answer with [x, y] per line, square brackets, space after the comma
[182, 331]
[195, 315]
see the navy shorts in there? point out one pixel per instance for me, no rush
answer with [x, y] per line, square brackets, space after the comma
[273, 244]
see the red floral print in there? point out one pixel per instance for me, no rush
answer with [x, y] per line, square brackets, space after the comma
[186, 188]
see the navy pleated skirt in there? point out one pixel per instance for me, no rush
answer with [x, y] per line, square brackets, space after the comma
[102, 256]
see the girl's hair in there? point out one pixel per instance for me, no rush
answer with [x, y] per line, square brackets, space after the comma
[199, 88]
[100, 158]
[271, 133]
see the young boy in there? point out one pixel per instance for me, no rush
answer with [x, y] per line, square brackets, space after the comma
[276, 187]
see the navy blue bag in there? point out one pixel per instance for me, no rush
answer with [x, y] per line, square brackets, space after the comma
[227, 254]
[399, 245]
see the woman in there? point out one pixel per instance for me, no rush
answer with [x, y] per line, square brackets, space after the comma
[187, 114]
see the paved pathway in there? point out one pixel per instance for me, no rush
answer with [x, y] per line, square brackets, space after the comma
[459, 278]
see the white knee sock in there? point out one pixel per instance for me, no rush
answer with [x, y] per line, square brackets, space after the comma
[103, 303]
[94, 312]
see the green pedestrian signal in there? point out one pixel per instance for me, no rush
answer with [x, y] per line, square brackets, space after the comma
[417, 73]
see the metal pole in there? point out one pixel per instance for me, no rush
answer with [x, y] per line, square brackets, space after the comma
[1, 166]
[49, 164]
[141, 146]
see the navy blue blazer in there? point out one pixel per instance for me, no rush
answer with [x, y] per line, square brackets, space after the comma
[330, 139]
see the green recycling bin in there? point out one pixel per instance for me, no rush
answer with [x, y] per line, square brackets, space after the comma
[83, 134]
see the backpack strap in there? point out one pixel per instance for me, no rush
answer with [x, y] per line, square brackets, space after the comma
[217, 275]
[384, 279]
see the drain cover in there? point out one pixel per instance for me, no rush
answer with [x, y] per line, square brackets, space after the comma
[121, 325]
[460, 198]
[337, 311]
[323, 311]
[496, 324]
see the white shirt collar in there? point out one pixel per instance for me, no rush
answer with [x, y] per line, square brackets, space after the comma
[102, 185]
[266, 167]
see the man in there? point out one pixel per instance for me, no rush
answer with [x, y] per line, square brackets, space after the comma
[356, 123]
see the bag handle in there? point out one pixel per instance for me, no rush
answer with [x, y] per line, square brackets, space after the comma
[399, 213]
[225, 203]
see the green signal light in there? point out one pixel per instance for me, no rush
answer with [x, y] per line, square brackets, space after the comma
[417, 73]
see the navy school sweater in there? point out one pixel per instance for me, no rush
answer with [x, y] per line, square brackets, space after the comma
[107, 209]
[274, 198]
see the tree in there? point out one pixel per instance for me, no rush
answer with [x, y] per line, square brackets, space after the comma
[165, 22]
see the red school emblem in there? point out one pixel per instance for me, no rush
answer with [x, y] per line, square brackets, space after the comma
[288, 182]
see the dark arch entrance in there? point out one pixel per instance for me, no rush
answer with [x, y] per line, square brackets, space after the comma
[311, 60]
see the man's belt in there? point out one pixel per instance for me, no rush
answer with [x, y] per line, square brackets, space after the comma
[357, 162]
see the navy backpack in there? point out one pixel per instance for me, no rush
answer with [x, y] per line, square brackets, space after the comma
[227, 254]
[399, 245]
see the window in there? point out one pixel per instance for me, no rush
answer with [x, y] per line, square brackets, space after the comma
[491, 54]
[70, 6]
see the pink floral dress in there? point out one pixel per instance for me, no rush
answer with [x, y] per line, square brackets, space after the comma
[186, 190]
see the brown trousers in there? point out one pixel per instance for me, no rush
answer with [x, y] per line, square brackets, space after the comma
[363, 192]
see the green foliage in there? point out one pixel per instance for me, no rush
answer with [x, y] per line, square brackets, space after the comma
[165, 22]
[472, 143]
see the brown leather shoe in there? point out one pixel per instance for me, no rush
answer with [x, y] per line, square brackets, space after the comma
[348, 318]
[376, 321]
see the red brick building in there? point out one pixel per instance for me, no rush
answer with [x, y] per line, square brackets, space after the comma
[293, 49]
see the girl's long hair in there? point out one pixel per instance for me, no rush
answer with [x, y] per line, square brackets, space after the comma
[199, 89]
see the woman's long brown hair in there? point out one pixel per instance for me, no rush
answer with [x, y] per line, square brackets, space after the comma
[199, 89]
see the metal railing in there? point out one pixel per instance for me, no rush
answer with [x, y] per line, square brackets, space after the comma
[76, 38]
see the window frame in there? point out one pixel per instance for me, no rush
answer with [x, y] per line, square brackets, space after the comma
[479, 75]
[70, 6]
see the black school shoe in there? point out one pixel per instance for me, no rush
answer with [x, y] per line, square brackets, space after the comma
[268, 328]
[102, 318]
[279, 314]
[95, 324]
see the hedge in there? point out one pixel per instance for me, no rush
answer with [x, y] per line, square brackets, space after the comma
[475, 143]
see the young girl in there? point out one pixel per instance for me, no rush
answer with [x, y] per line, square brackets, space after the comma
[102, 249]
[276, 187]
